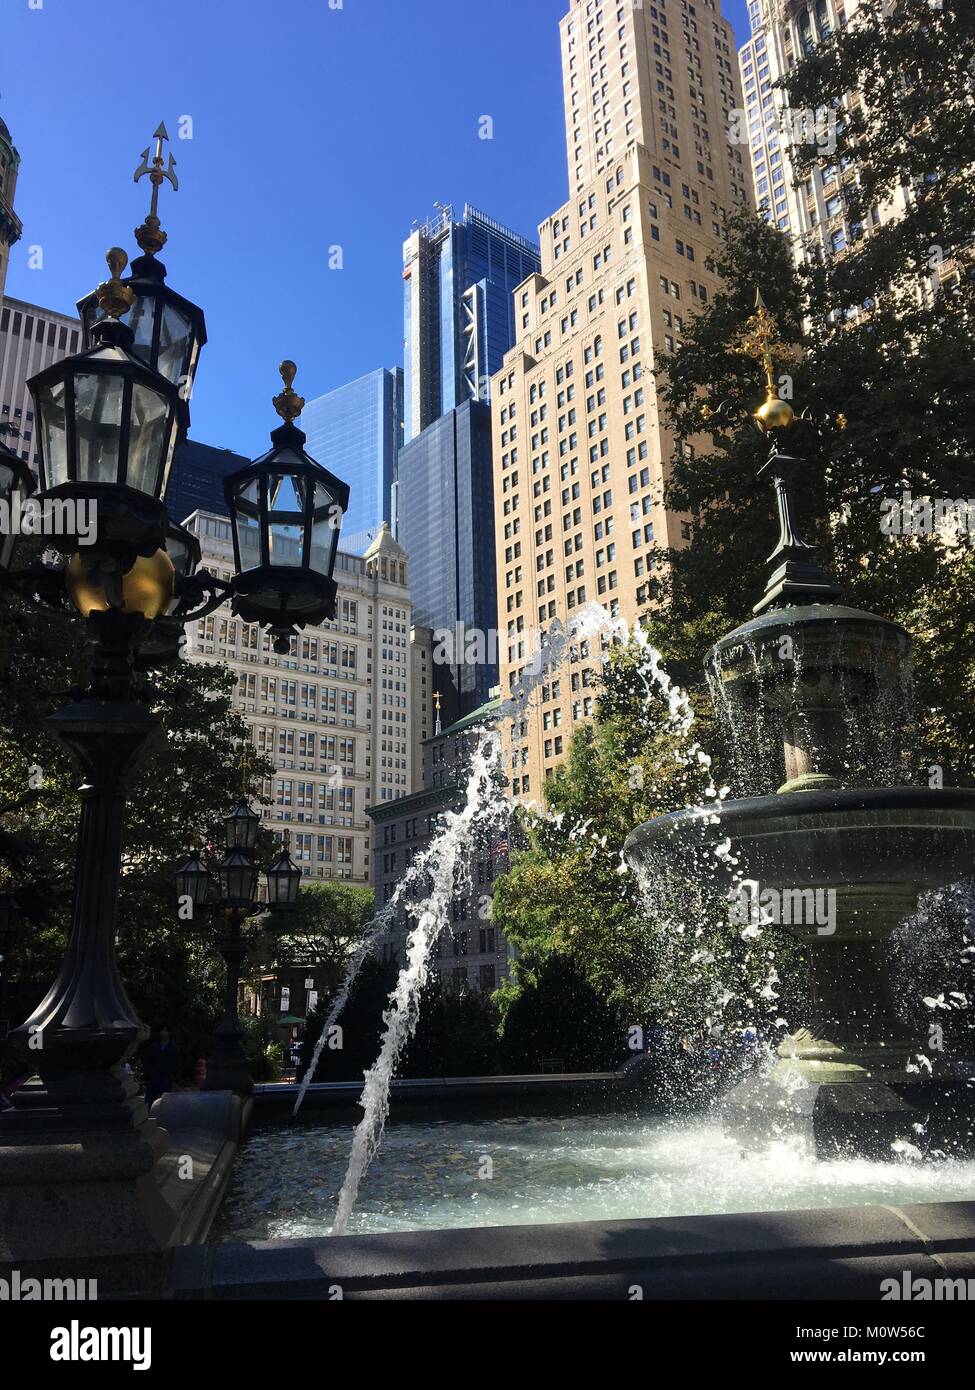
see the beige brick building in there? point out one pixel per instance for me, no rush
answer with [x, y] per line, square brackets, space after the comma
[342, 714]
[814, 214]
[581, 450]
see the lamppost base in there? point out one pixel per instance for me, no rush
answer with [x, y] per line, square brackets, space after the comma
[79, 1181]
[227, 1069]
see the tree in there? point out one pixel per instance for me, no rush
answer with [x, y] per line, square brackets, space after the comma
[323, 931]
[556, 1015]
[457, 1034]
[361, 1024]
[650, 948]
[169, 966]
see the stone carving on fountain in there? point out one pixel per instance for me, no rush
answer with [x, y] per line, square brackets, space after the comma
[816, 700]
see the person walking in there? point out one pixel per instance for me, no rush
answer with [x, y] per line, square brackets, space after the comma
[159, 1066]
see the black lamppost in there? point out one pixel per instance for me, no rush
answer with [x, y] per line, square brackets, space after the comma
[232, 895]
[16, 485]
[108, 423]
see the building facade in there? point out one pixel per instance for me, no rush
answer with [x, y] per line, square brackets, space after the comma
[196, 479]
[356, 431]
[471, 953]
[814, 214]
[337, 714]
[582, 449]
[458, 323]
[10, 224]
[31, 338]
[458, 318]
[445, 523]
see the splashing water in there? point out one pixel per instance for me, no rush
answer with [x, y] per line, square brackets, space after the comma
[482, 808]
[444, 864]
[446, 861]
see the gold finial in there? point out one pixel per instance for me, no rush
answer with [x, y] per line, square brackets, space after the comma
[114, 298]
[437, 699]
[288, 403]
[759, 340]
[150, 235]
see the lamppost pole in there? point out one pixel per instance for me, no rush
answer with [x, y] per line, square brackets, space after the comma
[227, 1068]
[232, 894]
[76, 1162]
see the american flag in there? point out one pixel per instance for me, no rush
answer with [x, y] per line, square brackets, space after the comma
[500, 846]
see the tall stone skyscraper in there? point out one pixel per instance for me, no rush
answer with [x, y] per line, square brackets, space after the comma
[581, 447]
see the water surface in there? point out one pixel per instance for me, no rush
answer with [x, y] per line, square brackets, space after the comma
[501, 1172]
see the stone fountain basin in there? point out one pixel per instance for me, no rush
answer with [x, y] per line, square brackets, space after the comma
[878, 848]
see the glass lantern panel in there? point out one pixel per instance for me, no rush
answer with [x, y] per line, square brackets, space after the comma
[54, 438]
[182, 552]
[238, 882]
[98, 426]
[247, 521]
[325, 530]
[90, 315]
[141, 318]
[148, 439]
[174, 344]
[286, 522]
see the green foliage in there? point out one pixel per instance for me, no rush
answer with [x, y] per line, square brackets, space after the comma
[361, 1023]
[169, 966]
[658, 951]
[558, 1017]
[324, 929]
[263, 1047]
[457, 1035]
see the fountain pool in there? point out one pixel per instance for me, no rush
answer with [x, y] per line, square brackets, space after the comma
[431, 1174]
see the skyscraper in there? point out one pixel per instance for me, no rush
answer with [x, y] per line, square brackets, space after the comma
[356, 431]
[458, 318]
[196, 479]
[582, 449]
[458, 324]
[445, 509]
[814, 214]
[769, 154]
[10, 224]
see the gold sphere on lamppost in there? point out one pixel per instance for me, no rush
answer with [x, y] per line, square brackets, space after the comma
[146, 588]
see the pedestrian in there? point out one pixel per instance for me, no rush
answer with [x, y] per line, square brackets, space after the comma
[159, 1065]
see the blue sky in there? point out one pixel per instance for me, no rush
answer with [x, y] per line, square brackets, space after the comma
[312, 127]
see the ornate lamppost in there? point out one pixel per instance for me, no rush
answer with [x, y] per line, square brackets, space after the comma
[108, 421]
[232, 896]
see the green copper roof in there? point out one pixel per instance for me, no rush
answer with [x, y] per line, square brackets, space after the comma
[479, 716]
[419, 801]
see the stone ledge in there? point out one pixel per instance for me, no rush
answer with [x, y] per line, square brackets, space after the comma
[834, 1253]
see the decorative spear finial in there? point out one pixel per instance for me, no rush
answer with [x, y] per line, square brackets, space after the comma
[114, 298]
[288, 403]
[759, 340]
[150, 235]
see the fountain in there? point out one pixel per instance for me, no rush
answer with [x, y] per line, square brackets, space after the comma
[821, 693]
